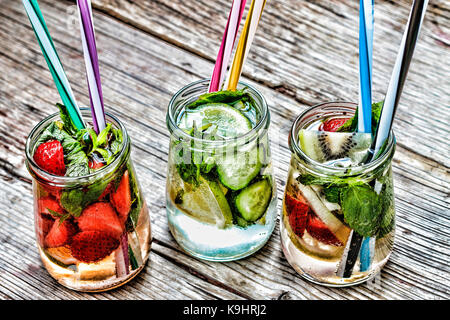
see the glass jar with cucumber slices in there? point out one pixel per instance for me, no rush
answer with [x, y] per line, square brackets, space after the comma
[338, 220]
[221, 193]
[91, 219]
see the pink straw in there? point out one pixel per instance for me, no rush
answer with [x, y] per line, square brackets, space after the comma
[226, 47]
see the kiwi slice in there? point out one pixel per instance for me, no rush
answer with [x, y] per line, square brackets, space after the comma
[324, 146]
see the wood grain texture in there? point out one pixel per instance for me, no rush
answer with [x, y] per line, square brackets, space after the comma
[150, 49]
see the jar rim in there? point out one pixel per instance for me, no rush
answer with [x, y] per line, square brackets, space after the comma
[48, 177]
[296, 149]
[262, 123]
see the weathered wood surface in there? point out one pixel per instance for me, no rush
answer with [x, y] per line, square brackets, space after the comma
[305, 52]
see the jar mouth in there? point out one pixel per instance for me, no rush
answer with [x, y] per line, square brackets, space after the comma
[186, 95]
[346, 108]
[48, 177]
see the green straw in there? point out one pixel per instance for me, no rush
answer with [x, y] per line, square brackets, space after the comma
[53, 61]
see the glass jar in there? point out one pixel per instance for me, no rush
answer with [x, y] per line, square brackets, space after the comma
[206, 213]
[338, 223]
[93, 232]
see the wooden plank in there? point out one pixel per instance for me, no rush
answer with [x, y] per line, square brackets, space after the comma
[133, 65]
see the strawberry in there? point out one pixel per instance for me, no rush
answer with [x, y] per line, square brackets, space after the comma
[297, 210]
[50, 207]
[49, 156]
[121, 198]
[43, 224]
[100, 216]
[319, 230]
[332, 125]
[92, 246]
[60, 234]
[95, 164]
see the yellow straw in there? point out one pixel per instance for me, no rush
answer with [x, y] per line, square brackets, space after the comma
[243, 46]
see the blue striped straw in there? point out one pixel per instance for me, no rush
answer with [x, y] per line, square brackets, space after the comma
[366, 22]
[54, 63]
[356, 244]
[398, 76]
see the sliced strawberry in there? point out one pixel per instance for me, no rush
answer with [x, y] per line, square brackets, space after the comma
[297, 210]
[100, 216]
[332, 125]
[121, 198]
[43, 224]
[49, 156]
[60, 234]
[92, 246]
[319, 230]
[50, 207]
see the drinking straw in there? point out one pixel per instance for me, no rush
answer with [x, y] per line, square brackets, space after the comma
[245, 42]
[392, 98]
[226, 47]
[398, 76]
[366, 22]
[365, 65]
[91, 62]
[54, 63]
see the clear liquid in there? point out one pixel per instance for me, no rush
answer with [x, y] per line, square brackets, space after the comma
[207, 241]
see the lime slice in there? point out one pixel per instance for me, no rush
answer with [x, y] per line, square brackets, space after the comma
[207, 203]
[229, 121]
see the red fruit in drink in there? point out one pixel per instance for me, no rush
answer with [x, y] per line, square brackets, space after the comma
[95, 164]
[332, 125]
[121, 198]
[60, 234]
[49, 156]
[319, 230]
[297, 210]
[49, 206]
[44, 224]
[92, 246]
[100, 216]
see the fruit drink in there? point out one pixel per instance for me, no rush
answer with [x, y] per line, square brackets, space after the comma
[221, 194]
[91, 220]
[338, 214]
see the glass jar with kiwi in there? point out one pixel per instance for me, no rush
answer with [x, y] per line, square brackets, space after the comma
[338, 219]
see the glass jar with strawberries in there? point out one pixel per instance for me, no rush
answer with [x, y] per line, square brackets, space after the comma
[91, 219]
[338, 220]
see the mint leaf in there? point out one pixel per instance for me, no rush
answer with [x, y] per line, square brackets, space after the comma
[68, 124]
[102, 139]
[75, 200]
[333, 193]
[229, 97]
[361, 209]
[351, 124]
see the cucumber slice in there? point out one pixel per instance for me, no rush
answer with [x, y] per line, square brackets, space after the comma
[252, 202]
[230, 122]
[324, 146]
[238, 169]
[207, 203]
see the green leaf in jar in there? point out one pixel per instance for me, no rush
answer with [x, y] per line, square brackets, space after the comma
[361, 209]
